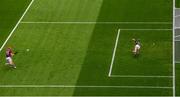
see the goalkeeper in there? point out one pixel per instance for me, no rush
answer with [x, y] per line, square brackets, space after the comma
[137, 47]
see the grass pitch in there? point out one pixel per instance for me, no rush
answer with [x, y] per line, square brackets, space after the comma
[71, 45]
[10, 14]
[177, 3]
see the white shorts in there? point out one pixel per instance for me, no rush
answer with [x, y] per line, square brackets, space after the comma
[9, 59]
[137, 48]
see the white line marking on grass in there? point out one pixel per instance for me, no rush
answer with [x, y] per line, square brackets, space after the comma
[74, 86]
[114, 52]
[148, 29]
[116, 44]
[16, 25]
[23, 22]
[139, 76]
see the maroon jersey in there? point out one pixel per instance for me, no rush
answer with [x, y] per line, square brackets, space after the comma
[8, 52]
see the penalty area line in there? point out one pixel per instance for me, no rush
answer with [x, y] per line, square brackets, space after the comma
[139, 76]
[148, 29]
[74, 86]
[114, 52]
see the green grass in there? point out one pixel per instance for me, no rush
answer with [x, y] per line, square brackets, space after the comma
[80, 54]
[100, 50]
[151, 55]
[178, 3]
[177, 46]
[11, 11]
[177, 79]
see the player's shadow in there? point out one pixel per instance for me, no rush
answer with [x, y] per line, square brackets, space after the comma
[7, 68]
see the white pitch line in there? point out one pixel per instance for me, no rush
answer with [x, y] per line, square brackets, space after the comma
[148, 29]
[138, 76]
[25, 22]
[74, 86]
[16, 25]
[114, 52]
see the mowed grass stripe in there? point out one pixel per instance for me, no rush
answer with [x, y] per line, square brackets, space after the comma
[144, 13]
[122, 25]
[58, 91]
[64, 10]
